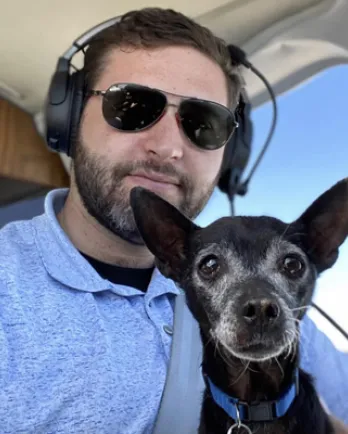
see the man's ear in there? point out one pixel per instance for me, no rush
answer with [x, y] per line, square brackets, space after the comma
[164, 229]
[326, 225]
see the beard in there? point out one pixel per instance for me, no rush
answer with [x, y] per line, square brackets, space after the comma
[106, 197]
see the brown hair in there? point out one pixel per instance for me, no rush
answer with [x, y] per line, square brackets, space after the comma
[154, 28]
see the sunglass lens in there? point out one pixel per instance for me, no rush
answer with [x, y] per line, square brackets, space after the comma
[206, 124]
[131, 107]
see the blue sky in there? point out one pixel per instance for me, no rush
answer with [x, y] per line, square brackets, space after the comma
[308, 154]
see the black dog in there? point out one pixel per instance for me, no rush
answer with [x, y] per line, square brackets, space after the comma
[248, 282]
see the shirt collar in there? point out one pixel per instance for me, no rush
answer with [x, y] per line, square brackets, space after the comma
[64, 263]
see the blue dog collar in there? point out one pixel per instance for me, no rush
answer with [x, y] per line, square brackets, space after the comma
[262, 411]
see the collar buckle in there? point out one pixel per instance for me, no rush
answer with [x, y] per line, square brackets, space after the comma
[260, 412]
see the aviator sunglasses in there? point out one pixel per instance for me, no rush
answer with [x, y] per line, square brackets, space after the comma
[132, 107]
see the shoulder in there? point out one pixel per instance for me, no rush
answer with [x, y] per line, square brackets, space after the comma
[17, 246]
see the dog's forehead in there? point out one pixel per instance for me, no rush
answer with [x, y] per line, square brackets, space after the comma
[250, 235]
[243, 229]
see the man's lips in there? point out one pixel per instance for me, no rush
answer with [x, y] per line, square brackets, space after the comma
[156, 177]
[154, 180]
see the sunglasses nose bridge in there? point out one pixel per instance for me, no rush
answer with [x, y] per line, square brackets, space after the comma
[172, 105]
[177, 116]
[166, 110]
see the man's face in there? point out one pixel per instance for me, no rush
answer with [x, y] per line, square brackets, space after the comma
[107, 161]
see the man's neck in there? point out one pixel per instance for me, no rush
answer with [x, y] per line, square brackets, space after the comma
[89, 237]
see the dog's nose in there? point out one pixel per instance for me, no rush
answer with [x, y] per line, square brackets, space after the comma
[263, 310]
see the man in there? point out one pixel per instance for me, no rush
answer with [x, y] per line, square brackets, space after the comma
[86, 320]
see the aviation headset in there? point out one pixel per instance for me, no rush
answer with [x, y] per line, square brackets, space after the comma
[65, 101]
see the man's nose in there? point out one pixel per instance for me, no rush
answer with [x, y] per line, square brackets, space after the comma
[165, 139]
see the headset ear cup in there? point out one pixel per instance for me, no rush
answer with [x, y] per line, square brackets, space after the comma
[77, 99]
[237, 149]
[63, 107]
[57, 108]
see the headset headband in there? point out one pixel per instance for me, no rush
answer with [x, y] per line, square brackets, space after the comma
[84, 39]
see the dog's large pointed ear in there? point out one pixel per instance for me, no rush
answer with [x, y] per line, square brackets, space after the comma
[164, 229]
[326, 225]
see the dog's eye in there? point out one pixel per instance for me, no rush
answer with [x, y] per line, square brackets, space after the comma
[209, 266]
[292, 265]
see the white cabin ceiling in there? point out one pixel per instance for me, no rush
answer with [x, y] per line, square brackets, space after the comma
[34, 33]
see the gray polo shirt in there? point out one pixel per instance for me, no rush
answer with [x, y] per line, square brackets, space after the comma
[79, 354]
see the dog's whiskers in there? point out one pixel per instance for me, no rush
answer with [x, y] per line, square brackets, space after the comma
[291, 340]
[247, 362]
[217, 348]
[295, 337]
[299, 308]
[224, 357]
[242, 373]
[280, 367]
[211, 339]
[285, 231]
